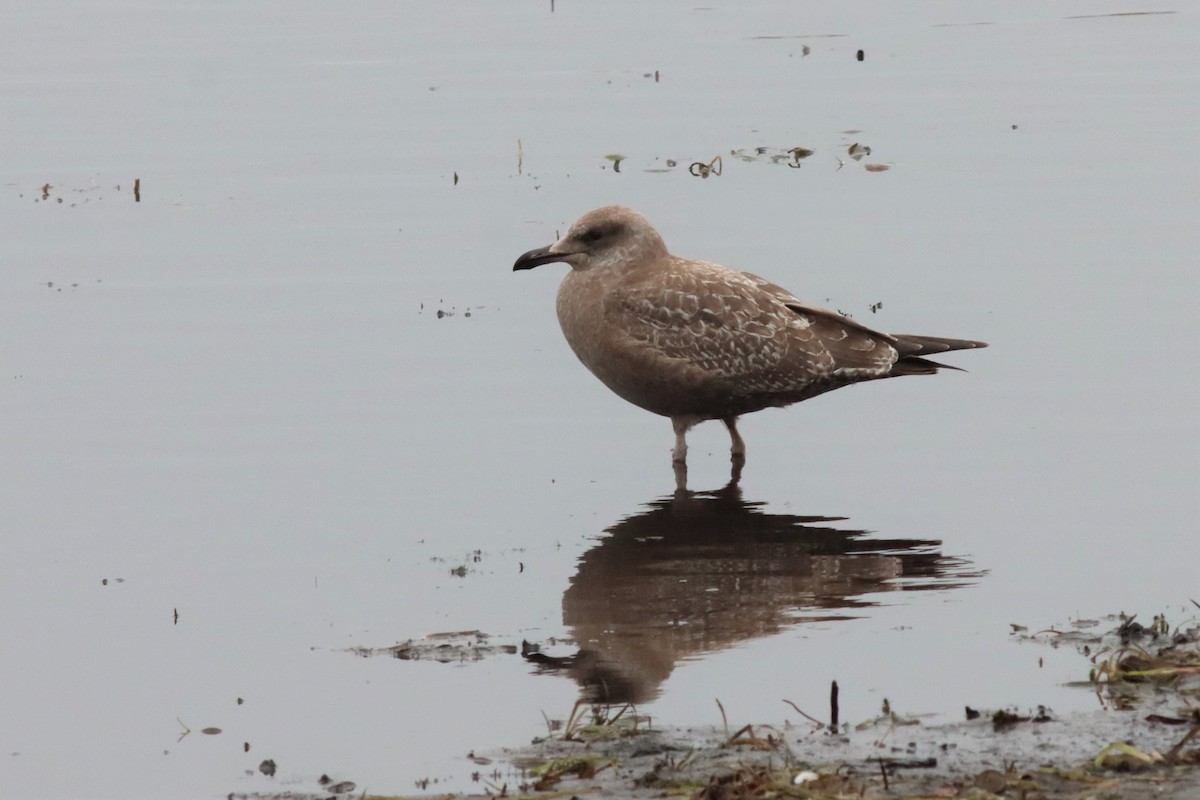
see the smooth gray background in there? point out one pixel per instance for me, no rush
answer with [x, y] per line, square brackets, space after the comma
[237, 397]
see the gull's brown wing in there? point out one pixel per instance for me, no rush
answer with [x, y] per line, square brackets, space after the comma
[747, 330]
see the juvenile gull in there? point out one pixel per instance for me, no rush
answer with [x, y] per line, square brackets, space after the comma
[694, 341]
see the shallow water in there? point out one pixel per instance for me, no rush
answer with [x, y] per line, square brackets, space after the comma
[235, 401]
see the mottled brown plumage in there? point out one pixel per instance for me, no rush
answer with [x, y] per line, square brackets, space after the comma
[693, 341]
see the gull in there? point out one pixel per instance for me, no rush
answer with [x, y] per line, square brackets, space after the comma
[696, 341]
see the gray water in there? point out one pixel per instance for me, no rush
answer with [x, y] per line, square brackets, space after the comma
[232, 398]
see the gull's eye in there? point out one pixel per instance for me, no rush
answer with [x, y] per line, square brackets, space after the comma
[592, 235]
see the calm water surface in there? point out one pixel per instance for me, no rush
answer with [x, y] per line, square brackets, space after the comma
[237, 440]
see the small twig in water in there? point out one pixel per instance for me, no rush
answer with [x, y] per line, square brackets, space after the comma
[1173, 753]
[801, 713]
[702, 170]
[569, 728]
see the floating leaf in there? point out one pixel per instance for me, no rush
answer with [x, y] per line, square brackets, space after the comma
[1122, 755]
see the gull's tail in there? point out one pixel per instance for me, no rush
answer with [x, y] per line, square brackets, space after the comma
[912, 348]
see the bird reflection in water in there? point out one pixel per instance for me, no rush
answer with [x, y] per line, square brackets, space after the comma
[698, 572]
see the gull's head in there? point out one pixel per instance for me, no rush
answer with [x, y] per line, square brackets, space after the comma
[606, 238]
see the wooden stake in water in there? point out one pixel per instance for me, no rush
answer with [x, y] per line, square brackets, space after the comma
[833, 708]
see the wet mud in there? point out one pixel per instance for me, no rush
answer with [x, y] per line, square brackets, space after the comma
[1052, 759]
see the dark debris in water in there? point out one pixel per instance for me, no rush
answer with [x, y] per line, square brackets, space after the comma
[616, 159]
[325, 788]
[701, 170]
[1132, 663]
[453, 647]
[794, 157]
[791, 156]
[52, 192]
[453, 311]
[340, 787]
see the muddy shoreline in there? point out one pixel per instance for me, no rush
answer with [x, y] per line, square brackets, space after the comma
[1052, 759]
[1143, 743]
